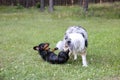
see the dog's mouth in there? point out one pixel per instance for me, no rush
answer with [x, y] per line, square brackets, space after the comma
[46, 46]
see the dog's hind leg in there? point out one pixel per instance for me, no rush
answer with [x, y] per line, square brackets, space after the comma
[84, 61]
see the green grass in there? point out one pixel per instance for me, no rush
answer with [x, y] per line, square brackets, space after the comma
[21, 29]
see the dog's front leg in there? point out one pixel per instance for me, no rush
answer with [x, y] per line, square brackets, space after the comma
[75, 55]
[70, 52]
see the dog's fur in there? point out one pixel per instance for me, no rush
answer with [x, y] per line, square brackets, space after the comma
[49, 56]
[76, 39]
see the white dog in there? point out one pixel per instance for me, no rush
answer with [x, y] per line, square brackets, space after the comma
[76, 39]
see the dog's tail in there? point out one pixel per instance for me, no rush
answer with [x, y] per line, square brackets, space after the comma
[86, 40]
[86, 43]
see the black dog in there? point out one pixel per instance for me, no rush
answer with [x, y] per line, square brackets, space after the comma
[50, 56]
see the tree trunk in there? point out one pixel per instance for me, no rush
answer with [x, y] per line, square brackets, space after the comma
[101, 1]
[33, 2]
[27, 4]
[11, 3]
[72, 2]
[80, 2]
[42, 6]
[50, 5]
[85, 5]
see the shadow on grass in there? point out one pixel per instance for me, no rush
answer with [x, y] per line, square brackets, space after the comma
[93, 60]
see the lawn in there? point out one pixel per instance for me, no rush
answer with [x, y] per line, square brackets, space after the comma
[21, 29]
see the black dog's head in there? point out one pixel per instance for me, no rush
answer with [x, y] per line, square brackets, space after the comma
[42, 47]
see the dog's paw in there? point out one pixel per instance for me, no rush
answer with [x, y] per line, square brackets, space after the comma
[85, 65]
[75, 57]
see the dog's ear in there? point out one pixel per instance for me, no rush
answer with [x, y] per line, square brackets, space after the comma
[36, 48]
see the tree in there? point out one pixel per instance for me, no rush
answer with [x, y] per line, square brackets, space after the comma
[81, 2]
[85, 5]
[51, 6]
[72, 2]
[101, 1]
[42, 7]
[27, 4]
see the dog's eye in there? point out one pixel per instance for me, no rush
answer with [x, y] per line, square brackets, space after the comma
[66, 37]
[42, 46]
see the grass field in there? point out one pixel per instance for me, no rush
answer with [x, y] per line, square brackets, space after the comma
[21, 29]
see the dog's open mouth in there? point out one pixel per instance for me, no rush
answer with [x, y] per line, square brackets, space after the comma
[46, 46]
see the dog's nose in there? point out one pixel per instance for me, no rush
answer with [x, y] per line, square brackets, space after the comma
[69, 42]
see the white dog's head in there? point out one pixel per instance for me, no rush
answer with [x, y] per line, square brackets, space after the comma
[74, 41]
